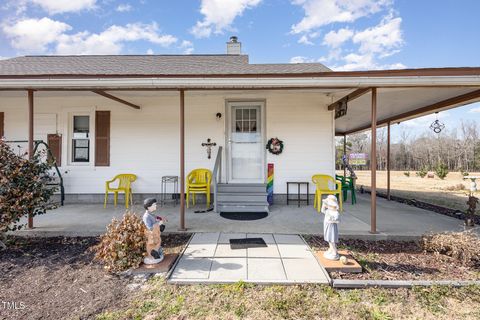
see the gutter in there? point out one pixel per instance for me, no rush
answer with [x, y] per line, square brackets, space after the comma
[209, 83]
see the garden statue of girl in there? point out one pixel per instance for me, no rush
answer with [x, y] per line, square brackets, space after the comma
[330, 226]
[154, 228]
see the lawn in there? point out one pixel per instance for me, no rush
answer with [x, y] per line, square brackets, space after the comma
[244, 301]
[55, 278]
[450, 192]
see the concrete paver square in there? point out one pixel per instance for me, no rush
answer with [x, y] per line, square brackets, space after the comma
[294, 251]
[268, 238]
[192, 268]
[288, 239]
[270, 251]
[224, 250]
[225, 237]
[200, 250]
[304, 270]
[205, 238]
[260, 269]
[229, 269]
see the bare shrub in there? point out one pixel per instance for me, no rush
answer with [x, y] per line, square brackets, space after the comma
[462, 246]
[123, 245]
[457, 187]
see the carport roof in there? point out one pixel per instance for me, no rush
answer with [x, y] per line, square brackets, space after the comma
[396, 105]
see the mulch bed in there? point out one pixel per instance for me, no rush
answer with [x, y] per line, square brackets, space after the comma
[55, 278]
[391, 260]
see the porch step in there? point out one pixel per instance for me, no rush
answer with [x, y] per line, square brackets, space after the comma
[242, 197]
[242, 187]
[242, 207]
[236, 197]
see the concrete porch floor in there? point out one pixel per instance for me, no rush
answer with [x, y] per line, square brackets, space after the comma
[394, 220]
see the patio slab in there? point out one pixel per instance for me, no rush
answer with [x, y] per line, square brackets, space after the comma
[258, 265]
[394, 221]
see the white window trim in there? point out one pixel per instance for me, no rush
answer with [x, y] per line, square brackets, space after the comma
[68, 114]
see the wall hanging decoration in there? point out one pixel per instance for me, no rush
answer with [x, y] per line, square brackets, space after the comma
[209, 146]
[437, 126]
[275, 146]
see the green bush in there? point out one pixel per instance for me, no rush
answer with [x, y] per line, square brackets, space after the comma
[441, 170]
[407, 173]
[422, 173]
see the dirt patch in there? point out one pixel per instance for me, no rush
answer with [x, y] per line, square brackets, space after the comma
[55, 278]
[391, 260]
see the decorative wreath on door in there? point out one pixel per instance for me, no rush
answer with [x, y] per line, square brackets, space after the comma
[275, 146]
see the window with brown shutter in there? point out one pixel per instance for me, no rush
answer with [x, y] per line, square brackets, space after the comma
[102, 138]
[55, 145]
[2, 124]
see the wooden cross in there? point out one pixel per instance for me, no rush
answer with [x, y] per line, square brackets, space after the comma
[209, 146]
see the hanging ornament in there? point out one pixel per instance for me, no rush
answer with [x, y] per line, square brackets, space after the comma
[437, 126]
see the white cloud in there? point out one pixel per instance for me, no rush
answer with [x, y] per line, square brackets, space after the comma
[34, 34]
[354, 61]
[305, 40]
[44, 35]
[124, 7]
[187, 47]
[111, 40]
[319, 13]
[335, 39]
[61, 6]
[300, 59]
[381, 38]
[219, 15]
[474, 110]
[149, 51]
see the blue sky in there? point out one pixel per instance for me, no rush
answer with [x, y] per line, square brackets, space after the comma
[342, 34]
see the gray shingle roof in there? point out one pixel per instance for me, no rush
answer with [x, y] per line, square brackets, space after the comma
[125, 65]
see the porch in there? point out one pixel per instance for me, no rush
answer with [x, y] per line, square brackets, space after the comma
[395, 220]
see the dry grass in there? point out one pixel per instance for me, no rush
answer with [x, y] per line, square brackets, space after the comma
[245, 301]
[447, 193]
[463, 246]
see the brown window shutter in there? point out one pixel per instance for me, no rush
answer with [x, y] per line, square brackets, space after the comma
[2, 124]
[102, 138]
[55, 145]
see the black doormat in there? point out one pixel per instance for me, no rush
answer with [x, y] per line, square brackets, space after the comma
[244, 215]
[245, 243]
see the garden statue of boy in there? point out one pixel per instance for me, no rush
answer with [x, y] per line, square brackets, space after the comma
[154, 228]
[330, 226]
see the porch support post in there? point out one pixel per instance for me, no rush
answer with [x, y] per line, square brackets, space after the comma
[344, 154]
[388, 161]
[30, 143]
[373, 165]
[182, 160]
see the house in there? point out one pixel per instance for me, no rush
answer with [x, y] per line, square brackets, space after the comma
[150, 114]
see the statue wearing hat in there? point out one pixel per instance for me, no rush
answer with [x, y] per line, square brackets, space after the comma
[154, 228]
[330, 226]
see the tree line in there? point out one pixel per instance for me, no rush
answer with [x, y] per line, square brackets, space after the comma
[458, 149]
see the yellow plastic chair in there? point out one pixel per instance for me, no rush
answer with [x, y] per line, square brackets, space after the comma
[124, 185]
[323, 184]
[198, 181]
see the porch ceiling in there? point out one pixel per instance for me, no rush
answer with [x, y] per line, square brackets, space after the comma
[400, 104]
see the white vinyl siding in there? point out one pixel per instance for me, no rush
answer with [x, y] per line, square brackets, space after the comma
[146, 142]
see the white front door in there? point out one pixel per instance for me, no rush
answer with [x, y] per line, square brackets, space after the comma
[245, 142]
